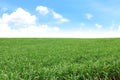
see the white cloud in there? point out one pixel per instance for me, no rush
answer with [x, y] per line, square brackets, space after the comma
[98, 26]
[42, 10]
[19, 17]
[26, 25]
[48, 31]
[31, 31]
[4, 28]
[39, 29]
[59, 17]
[119, 28]
[89, 16]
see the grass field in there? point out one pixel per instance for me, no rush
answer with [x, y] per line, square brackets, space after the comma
[59, 59]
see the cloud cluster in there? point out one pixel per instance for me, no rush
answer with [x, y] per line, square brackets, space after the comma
[19, 17]
[21, 22]
[42, 10]
[45, 10]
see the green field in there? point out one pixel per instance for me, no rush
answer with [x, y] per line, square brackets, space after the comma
[59, 59]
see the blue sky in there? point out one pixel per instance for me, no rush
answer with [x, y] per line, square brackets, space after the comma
[59, 18]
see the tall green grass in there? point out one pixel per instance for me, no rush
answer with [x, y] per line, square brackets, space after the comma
[59, 59]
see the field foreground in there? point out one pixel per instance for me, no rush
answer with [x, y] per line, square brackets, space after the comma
[59, 59]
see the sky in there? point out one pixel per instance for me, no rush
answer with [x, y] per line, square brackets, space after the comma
[60, 18]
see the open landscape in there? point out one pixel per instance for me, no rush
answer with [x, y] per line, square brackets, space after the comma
[59, 59]
[60, 40]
